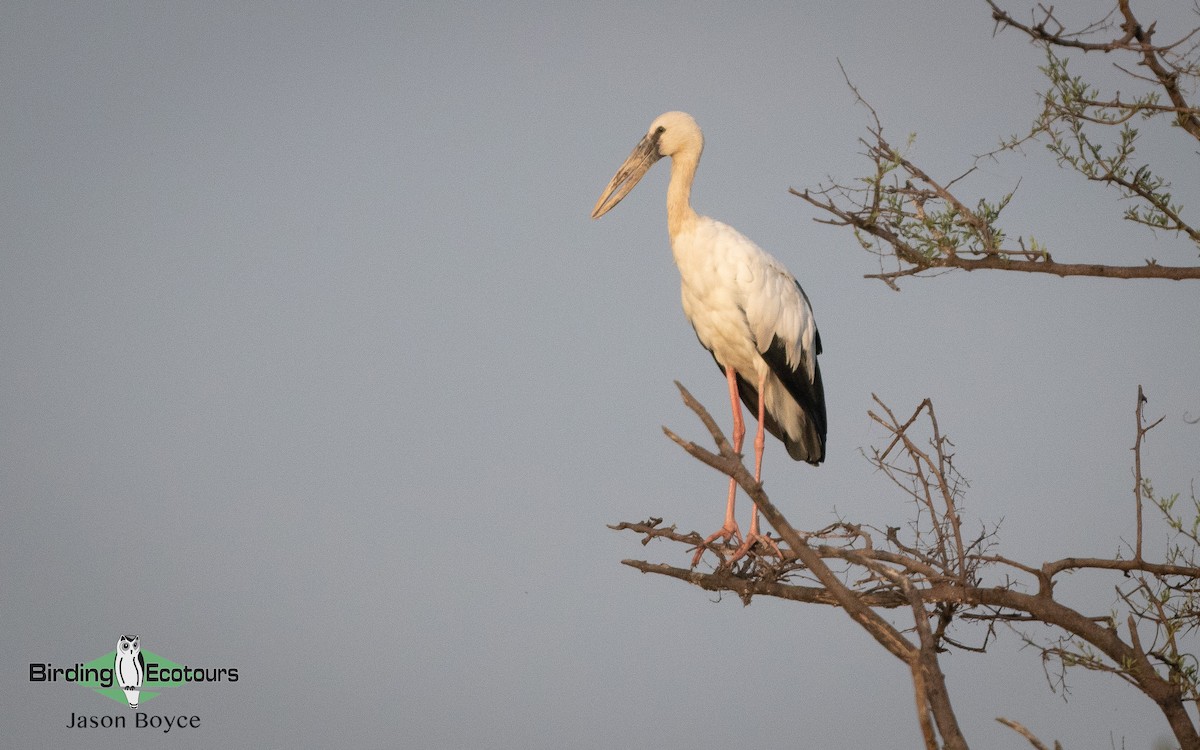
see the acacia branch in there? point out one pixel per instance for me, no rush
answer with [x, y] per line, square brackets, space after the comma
[1187, 117]
[934, 575]
[1055, 567]
[925, 225]
[929, 681]
[1138, 486]
[729, 463]
[747, 588]
[867, 213]
[1028, 735]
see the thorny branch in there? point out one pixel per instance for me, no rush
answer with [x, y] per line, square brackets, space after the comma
[919, 224]
[957, 587]
[1138, 482]
[1168, 63]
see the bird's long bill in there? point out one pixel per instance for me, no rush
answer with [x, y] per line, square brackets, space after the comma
[643, 157]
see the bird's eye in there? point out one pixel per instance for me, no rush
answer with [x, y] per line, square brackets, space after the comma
[661, 129]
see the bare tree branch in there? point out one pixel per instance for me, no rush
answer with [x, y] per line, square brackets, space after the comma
[1021, 730]
[933, 572]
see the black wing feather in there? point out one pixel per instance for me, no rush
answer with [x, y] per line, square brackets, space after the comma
[810, 395]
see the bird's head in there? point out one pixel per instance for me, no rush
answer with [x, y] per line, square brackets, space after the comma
[671, 134]
[674, 132]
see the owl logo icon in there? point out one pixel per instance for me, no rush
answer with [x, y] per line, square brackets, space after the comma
[130, 667]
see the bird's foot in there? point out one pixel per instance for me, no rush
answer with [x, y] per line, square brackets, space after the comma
[750, 541]
[729, 533]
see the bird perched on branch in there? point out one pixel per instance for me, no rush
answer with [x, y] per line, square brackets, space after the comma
[747, 310]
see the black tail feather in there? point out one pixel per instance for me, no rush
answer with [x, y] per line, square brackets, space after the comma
[809, 396]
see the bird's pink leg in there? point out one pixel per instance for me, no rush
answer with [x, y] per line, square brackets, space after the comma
[730, 531]
[760, 443]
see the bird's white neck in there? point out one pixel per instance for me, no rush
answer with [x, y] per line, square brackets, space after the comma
[680, 215]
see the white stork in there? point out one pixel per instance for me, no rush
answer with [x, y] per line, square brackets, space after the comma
[746, 308]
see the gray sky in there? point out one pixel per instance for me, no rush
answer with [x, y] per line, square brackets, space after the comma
[315, 366]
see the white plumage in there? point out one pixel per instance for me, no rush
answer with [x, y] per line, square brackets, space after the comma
[745, 306]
